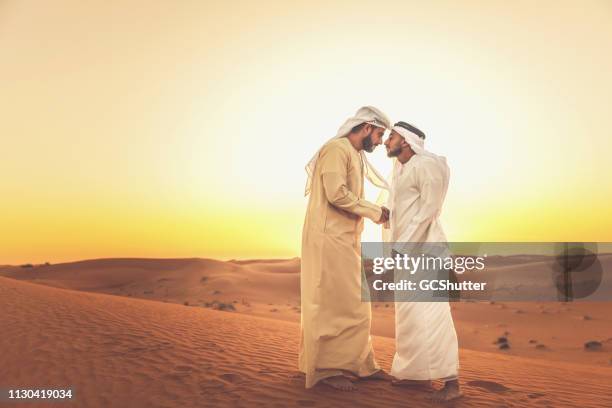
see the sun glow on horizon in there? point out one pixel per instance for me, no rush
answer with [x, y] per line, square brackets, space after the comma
[161, 129]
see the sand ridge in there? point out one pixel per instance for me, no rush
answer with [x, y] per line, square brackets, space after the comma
[550, 331]
[118, 351]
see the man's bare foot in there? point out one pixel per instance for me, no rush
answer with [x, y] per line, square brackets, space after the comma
[449, 392]
[379, 375]
[339, 382]
[424, 385]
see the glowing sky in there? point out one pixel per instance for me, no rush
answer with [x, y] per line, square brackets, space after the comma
[181, 128]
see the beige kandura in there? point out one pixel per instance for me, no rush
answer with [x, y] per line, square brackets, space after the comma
[335, 323]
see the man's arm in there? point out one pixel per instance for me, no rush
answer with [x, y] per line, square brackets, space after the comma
[431, 187]
[334, 163]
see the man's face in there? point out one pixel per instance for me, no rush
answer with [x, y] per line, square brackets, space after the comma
[373, 139]
[394, 144]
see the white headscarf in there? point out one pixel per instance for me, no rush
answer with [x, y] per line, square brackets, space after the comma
[418, 146]
[366, 114]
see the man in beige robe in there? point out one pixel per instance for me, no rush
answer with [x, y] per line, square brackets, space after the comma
[335, 335]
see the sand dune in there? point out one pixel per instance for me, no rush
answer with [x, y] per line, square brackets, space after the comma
[270, 288]
[253, 287]
[117, 351]
[272, 265]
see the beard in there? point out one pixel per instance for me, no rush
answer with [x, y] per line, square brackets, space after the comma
[395, 152]
[368, 145]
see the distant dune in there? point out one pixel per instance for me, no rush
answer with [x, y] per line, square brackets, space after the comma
[270, 288]
[272, 265]
[117, 351]
[250, 286]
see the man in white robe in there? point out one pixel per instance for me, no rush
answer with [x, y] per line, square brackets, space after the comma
[426, 341]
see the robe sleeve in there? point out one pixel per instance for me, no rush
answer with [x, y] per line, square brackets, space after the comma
[334, 163]
[431, 185]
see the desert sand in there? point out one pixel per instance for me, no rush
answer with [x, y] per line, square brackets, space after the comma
[145, 332]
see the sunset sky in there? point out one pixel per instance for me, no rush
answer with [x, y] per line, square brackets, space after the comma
[182, 128]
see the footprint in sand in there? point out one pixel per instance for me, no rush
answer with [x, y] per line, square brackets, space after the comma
[179, 373]
[213, 387]
[490, 386]
[230, 377]
[297, 377]
[266, 371]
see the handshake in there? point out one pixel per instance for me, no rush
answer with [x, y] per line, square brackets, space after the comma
[384, 217]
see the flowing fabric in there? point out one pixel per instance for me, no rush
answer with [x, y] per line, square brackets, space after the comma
[335, 323]
[426, 340]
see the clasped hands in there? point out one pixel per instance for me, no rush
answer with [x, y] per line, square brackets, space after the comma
[384, 217]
